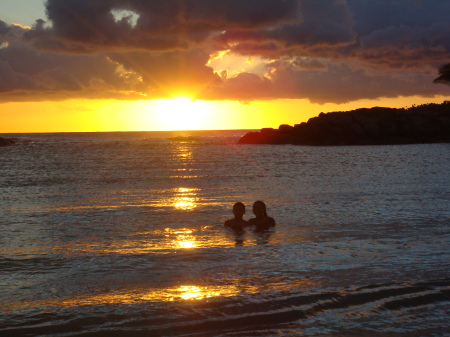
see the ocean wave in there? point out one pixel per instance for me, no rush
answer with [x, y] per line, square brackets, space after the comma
[264, 313]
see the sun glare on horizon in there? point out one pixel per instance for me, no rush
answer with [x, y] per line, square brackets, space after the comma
[182, 113]
[177, 114]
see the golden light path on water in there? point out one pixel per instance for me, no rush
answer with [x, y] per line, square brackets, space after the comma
[187, 292]
[185, 198]
[169, 238]
[180, 198]
[165, 240]
[138, 242]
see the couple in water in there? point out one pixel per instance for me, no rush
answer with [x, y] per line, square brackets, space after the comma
[261, 221]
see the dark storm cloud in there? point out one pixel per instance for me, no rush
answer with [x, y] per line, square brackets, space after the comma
[323, 50]
[90, 25]
[26, 72]
[381, 32]
[4, 29]
[354, 49]
[402, 34]
[10, 32]
[320, 23]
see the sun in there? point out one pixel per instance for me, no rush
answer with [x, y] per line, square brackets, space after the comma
[182, 113]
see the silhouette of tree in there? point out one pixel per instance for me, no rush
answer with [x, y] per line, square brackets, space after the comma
[444, 75]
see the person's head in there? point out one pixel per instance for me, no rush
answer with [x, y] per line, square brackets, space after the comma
[259, 208]
[239, 209]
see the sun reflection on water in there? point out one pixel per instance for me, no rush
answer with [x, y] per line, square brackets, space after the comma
[181, 293]
[155, 240]
[181, 237]
[185, 203]
[185, 198]
[168, 294]
[184, 152]
[186, 244]
[196, 293]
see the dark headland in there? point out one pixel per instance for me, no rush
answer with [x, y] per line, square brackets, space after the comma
[427, 123]
[6, 141]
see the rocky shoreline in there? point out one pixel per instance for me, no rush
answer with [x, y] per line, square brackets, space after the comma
[428, 123]
[6, 141]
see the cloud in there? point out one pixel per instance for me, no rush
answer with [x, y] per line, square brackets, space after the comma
[326, 23]
[343, 82]
[390, 33]
[337, 82]
[324, 51]
[243, 87]
[27, 74]
[85, 26]
[4, 30]
[170, 73]
[305, 63]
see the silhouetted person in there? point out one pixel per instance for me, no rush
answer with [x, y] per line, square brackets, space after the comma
[261, 221]
[237, 223]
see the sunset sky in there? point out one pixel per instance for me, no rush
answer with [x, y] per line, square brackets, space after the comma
[137, 65]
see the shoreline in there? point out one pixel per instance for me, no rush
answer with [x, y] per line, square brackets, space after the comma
[428, 123]
[6, 141]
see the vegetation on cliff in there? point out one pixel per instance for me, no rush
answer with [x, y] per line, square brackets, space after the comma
[444, 75]
[427, 123]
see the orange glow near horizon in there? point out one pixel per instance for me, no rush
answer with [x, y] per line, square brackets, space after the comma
[179, 113]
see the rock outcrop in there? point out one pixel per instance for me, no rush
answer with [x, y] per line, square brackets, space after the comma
[428, 123]
[6, 141]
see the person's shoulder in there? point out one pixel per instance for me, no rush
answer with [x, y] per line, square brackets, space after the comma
[235, 223]
[272, 221]
[251, 221]
[229, 223]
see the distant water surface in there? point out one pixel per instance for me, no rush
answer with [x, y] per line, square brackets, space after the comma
[116, 234]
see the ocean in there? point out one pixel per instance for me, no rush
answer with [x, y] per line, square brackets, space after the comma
[121, 234]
